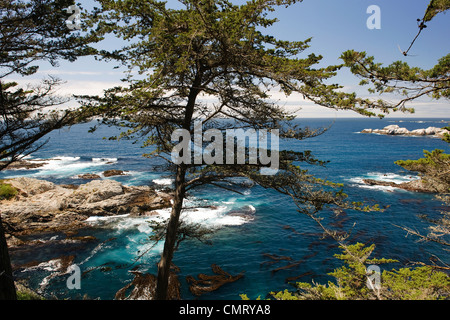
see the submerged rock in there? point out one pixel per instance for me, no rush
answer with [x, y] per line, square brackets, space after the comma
[246, 212]
[113, 172]
[143, 287]
[209, 283]
[89, 176]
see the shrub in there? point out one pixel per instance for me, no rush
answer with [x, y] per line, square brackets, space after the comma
[7, 191]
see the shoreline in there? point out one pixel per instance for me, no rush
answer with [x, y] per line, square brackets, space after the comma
[41, 206]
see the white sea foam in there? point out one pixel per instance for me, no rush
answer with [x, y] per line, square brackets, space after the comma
[94, 251]
[213, 217]
[99, 219]
[70, 166]
[163, 181]
[381, 188]
[391, 177]
[51, 265]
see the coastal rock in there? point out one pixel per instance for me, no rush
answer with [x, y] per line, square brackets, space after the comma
[246, 212]
[208, 283]
[392, 127]
[401, 131]
[143, 287]
[414, 186]
[96, 191]
[113, 172]
[89, 176]
[432, 130]
[25, 164]
[44, 206]
[441, 134]
[396, 130]
[418, 132]
[29, 187]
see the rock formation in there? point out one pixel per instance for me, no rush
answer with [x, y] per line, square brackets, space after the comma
[414, 186]
[25, 164]
[396, 130]
[89, 176]
[143, 287]
[44, 206]
[113, 172]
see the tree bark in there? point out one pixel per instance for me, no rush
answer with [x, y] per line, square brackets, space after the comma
[7, 287]
[162, 283]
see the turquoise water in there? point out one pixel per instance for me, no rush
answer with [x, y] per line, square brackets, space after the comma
[274, 226]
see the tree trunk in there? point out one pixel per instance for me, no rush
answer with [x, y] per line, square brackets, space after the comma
[171, 236]
[162, 282]
[7, 288]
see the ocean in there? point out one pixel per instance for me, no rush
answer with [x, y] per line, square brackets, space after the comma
[238, 244]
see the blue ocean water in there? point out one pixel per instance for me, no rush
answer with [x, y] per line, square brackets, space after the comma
[238, 245]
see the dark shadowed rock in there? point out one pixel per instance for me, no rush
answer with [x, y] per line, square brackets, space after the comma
[25, 164]
[111, 173]
[208, 283]
[143, 287]
[89, 176]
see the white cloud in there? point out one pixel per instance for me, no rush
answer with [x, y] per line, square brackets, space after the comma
[79, 87]
[425, 108]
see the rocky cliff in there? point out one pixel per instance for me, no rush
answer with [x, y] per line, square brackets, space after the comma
[44, 206]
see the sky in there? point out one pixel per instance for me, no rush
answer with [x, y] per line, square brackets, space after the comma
[335, 26]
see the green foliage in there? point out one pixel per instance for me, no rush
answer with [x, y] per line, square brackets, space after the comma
[434, 168]
[34, 31]
[7, 191]
[245, 297]
[435, 7]
[398, 78]
[422, 283]
[446, 137]
[431, 159]
[351, 281]
[28, 295]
